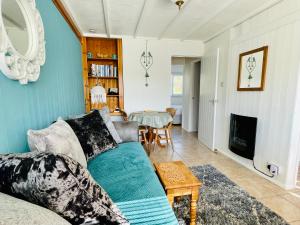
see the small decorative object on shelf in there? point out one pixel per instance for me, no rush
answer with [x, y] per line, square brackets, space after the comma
[146, 61]
[117, 109]
[98, 95]
[114, 56]
[113, 91]
[89, 55]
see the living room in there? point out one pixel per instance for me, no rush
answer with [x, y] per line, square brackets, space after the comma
[150, 112]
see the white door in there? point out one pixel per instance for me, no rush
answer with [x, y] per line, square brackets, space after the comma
[208, 98]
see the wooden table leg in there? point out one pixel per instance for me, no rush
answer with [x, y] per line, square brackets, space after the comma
[171, 200]
[194, 200]
[152, 137]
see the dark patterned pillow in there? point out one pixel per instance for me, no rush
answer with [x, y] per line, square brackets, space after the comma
[93, 134]
[60, 184]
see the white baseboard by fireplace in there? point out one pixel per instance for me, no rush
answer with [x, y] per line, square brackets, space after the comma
[248, 164]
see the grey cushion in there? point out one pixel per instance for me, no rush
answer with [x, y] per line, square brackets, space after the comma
[57, 138]
[104, 112]
[14, 211]
[128, 130]
[60, 184]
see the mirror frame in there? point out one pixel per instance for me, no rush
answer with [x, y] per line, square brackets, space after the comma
[24, 68]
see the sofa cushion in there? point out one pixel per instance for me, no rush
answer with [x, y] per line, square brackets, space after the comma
[93, 134]
[14, 211]
[105, 114]
[128, 130]
[57, 138]
[58, 183]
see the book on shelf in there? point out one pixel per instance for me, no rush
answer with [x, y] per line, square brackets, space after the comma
[104, 70]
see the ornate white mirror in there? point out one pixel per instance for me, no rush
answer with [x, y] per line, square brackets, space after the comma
[22, 44]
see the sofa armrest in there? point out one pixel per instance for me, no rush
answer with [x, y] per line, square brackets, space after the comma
[128, 131]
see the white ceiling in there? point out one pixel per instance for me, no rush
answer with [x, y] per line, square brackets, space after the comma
[197, 20]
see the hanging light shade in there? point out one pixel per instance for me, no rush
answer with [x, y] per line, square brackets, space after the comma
[146, 61]
[179, 3]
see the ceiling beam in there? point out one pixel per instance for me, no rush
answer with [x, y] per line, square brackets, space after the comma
[230, 2]
[106, 17]
[247, 17]
[179, 13]
[63, 11]
[141, 16]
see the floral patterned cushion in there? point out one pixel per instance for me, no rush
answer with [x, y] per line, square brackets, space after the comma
[93, 134]
[60, 184]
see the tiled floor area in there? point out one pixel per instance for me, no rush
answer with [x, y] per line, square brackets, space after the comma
[192, 152]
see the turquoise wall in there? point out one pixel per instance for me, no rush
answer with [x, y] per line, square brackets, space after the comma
[58, 92]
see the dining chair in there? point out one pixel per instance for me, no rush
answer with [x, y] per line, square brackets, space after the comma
[142, 129]
[165, 133]
[124, 115]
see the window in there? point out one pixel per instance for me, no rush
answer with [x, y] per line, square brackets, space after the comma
[177, 79]
[177, 85]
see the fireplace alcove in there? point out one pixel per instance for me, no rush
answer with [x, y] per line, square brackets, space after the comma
[242, 135]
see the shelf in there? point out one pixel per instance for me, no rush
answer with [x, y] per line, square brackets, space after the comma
[107, 48]
[95, 77]
[102, 59]
[116, 114]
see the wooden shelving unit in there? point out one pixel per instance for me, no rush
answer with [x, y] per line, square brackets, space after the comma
[101, 59]
[106, 47]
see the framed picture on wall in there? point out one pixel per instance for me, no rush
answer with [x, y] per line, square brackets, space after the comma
[252, 70]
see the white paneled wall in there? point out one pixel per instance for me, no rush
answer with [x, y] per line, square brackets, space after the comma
[279, 28]
[158, 95]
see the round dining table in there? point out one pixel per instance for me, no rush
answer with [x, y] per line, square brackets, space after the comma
[151, 120]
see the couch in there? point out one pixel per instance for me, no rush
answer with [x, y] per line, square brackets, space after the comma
[128, 176]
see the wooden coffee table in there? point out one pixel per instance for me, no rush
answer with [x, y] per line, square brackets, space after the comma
[177, 181]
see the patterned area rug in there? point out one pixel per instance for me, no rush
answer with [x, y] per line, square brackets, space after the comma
[223, 202]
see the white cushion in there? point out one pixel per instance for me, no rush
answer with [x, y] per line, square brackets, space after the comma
[14, 211]
[57, 138]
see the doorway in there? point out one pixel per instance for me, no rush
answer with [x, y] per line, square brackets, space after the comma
[196, 95]
[298, 172]
[185, 91]
[298, 176]
[177, 71]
